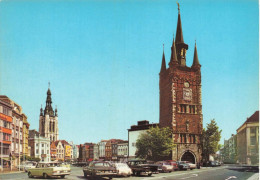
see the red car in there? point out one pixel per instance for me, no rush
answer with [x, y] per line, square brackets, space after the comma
[174, 164]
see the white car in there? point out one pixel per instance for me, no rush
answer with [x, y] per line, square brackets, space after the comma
[29, 165]
[123, 169]
[192, 166]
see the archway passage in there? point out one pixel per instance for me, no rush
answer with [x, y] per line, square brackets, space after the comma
[188, 156]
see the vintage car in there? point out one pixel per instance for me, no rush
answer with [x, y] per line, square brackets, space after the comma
[29, 165]
[51, 169]
[141, 167]
[123, 169]
[192, 166]
[165, 166]
[174, 164]
[182, 165]
[100, 169]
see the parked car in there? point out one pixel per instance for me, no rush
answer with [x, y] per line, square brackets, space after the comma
[192, 166]
[21, 166]
[81, 164]
[123, 169]
[218, 163]
[174, 164]
[100, 169]
[141, 167]
[182, 165]
[29, 165]
[165, 166]
[51, 169]
[212, 164]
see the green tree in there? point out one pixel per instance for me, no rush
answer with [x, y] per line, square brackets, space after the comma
[210, 139]
[155, 144]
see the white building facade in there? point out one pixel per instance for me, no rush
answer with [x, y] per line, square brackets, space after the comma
[122, 151]
[134, 133]
[102, 149]
[40, 146]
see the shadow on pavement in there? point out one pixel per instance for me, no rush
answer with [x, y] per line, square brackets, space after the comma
[245, 168]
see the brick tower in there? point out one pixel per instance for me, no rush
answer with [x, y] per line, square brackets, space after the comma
[180, 100]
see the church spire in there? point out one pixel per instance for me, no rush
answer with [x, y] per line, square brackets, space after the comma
[163, 67]
[181, 47]
[179, 35]
[173, 60]
[196, 62]
[48, 108]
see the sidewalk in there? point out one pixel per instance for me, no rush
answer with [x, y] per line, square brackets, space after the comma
[8, 171]
[254, 177]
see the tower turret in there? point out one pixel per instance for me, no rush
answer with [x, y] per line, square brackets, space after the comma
[163, 67]
[196, 63]
[174, 60]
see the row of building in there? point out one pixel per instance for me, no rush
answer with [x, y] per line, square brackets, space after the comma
[14, 132]
[243, 147]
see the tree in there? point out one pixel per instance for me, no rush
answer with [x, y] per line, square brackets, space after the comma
[210, 139]
[155, 144]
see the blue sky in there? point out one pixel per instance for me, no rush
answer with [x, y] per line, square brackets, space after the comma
[103, 59]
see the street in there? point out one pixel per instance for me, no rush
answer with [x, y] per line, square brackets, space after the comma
[216, 173]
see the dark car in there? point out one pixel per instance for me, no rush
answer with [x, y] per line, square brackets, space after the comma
[100, 169]
[212, 164]
[141, 167]
[182, 165]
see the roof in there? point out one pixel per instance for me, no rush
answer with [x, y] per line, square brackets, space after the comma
[142, 125]
[251, 119]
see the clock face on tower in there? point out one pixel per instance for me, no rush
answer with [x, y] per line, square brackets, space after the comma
[187, 94]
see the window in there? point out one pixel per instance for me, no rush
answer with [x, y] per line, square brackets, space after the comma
[183, 138]
[42, 151]
[253, 140]
[5, 111]
[192, 109]
[42, 145]
[183, 108]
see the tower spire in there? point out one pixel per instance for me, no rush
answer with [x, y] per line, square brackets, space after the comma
[181, 47]
[48, 108]
[173, 60]
[196, 62]
[179, 35]
[163, 67]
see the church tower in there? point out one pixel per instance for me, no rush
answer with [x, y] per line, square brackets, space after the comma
[180, 100]
[48, 122]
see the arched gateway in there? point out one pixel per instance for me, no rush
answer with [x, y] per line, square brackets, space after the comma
[188, 156]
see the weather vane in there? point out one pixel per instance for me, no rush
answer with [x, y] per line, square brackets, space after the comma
[178, 6]
[49, 84]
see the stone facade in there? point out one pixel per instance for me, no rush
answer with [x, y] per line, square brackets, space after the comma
[48, 121]
[180, 100]
[248, 141]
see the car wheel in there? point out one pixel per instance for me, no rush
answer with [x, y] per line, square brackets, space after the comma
[138, 173]
[63, 176]
[150, 174]
[30, 175]
[45, 176]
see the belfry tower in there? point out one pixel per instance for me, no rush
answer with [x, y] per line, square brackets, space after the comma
[48, 122]
[180, 99]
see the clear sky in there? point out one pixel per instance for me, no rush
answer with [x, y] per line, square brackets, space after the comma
[103, 58]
